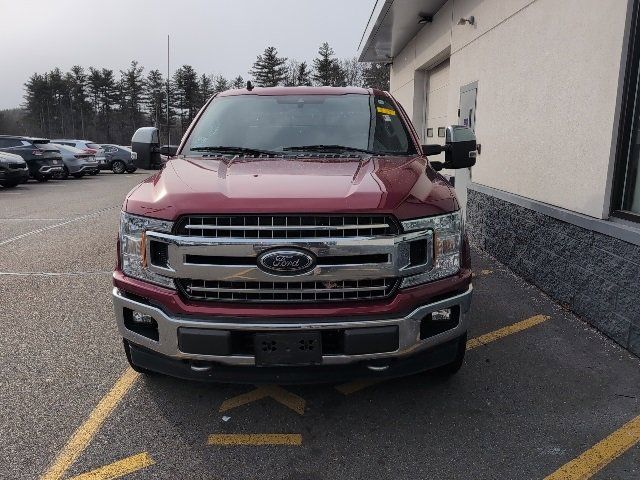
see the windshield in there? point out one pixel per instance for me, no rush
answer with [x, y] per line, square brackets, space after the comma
[281, 123]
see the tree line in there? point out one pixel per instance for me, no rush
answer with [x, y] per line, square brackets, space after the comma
[104, 106]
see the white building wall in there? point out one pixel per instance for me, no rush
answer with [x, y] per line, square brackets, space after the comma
[547, 75]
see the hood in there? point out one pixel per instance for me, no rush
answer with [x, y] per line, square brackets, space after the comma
[403, 186]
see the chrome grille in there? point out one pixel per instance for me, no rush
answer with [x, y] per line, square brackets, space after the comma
[286, 226]
[343, 290]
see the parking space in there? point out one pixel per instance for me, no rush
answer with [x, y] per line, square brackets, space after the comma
[539, 388]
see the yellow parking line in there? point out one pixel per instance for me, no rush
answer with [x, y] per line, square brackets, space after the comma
[291, 439]
[118, 469]
[503, 332]
[85, 433]
[601, 454]
[279, 394]
[356, 386]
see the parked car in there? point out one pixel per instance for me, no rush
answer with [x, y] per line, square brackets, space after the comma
[13, 170]
[301, 235]
[42, 158]
[77, 163]
[119, 159]
[87, 146]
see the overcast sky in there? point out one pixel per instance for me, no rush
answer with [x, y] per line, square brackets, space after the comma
[214, 36]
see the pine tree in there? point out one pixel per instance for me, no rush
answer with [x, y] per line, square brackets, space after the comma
[36, 97]
[132, 91]
[238, 82]
[155, 97]
[78, 85]
[327, 69]
[303, 75]
[188, 94]
[220, 84]
[108, 98]
[269, 70]
[206, 88]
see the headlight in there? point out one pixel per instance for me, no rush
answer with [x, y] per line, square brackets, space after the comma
[447, 246]
[132, 247]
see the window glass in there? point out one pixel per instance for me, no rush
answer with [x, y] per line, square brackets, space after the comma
[278, 122]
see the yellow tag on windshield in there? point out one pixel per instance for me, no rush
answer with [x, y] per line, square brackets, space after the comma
[385, 111]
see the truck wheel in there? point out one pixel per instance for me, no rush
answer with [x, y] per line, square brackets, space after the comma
[118, 166]
[133, 366]
[64, 174]
[452, 368]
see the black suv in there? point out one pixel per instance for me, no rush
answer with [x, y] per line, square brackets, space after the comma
[43, 159]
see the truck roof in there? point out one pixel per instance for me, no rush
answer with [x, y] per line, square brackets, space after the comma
[298, 91]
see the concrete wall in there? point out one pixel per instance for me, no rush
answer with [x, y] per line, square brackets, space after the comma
[547, 75]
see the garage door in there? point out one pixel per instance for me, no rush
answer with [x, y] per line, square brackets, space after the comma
[437, 88]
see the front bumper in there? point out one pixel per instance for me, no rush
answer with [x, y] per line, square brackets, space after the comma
[166, 352]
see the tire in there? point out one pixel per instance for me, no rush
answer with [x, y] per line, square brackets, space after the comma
[64, 174]
[131, 170]
[94, 172]
[450, 369]
[42, 178]
[133, 366]
[9, 184]
[118, 167]
[78, 175]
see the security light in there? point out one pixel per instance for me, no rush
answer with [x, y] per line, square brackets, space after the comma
[471, 20]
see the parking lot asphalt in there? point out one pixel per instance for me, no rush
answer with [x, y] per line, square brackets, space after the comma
[541, 394]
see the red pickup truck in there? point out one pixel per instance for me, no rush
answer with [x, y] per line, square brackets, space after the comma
[299, 235]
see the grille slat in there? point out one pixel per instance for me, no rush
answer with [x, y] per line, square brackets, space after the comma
[213, 290]
[290, 229]
[286, 226]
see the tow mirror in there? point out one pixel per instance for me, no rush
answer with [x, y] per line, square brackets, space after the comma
[460, 148]
[146, 143]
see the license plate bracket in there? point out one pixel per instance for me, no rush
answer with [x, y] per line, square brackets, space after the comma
[287, 349]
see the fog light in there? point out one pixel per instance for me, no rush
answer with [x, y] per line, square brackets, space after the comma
[142, 318]
[443, 315]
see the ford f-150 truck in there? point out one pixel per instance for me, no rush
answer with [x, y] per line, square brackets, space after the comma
[299, 235]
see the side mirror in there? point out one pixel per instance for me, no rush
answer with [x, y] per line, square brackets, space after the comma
[460, 148]
[145, 143]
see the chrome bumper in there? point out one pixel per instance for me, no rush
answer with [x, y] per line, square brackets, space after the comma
[50, 169]
[408, 326]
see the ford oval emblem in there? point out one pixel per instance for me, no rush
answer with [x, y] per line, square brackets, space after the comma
[286, 262]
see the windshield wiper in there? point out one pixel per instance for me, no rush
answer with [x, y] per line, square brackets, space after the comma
[227, 149]
[327, 148]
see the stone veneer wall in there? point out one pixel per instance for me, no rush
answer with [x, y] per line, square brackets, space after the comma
[594, 275]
